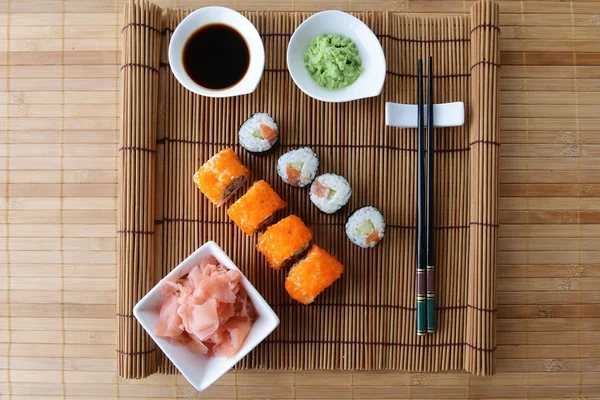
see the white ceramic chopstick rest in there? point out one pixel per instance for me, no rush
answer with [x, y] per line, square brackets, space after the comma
[405, 115]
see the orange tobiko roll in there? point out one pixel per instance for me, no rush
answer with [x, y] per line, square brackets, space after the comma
[284, 240]
[310, 276]
[221, 176]
[255, 209]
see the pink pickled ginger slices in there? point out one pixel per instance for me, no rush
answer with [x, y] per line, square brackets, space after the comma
[208, 310]
[169, 322]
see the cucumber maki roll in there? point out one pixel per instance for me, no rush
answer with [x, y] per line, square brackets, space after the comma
[365, 227]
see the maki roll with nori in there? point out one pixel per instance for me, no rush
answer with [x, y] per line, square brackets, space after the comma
[330, 192]
[298, 167]
[259, 133]
[365, 227]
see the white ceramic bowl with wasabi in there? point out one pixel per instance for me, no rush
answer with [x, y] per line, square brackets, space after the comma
[369, 83]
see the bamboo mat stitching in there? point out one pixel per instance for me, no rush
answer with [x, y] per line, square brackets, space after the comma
[480, 26]
[409, 308]
[380, 36]
[485, 62]
[309, 223]
[322, 145]
[153, 69]
[283, 70]
[392, 344]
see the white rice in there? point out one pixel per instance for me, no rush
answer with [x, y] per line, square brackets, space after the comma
[338, 200]
[357, 219]
[309, 166]
[250, 142]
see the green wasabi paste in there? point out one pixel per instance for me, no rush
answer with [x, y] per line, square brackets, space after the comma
[333, 61]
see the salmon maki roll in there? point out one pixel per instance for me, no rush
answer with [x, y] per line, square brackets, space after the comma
[330, 192]
[221, 176]
[255, 209]
[284, 240]
[310, 276]
[259, 134]
[298, 167]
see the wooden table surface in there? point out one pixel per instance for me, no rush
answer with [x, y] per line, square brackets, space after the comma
[59, 81]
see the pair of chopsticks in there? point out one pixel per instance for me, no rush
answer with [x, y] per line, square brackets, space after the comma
[425, 235]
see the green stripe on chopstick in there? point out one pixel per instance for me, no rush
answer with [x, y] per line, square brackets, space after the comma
[430, 307]
[430, 314]
[421, 317]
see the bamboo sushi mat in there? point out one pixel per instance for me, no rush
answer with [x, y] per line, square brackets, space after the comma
[59, 120]
[366, 321]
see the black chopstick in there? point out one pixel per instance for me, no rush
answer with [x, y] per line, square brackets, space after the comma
[421, 271]
[430, 207]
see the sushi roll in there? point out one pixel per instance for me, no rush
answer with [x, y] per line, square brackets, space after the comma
[284, 240]
[330, 192]
[259, 133]
[255, 209]
[221, 176]
[365, 227]
[298, 167]
[313, 274]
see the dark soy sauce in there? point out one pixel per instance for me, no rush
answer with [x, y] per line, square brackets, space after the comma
[216, 56]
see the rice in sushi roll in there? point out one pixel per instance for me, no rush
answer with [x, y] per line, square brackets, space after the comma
[313, 274]
[330, 192]
[298, 167]
[221, 176]
[365, 227]
[259, 133]
[284, 241]
[255, 209]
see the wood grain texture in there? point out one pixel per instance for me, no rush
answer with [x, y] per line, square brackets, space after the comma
[549, 204]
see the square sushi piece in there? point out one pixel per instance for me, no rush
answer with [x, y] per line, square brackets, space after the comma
[313, 274]
[221, 176]
[255, 209]
[283, 241]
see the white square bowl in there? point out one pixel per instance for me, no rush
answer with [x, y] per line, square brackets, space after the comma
[202, 371]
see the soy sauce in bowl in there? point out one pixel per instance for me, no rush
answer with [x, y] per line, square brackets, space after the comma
[216, 56]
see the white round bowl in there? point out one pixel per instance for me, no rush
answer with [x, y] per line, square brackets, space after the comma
[227, 16]
[369, 84]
